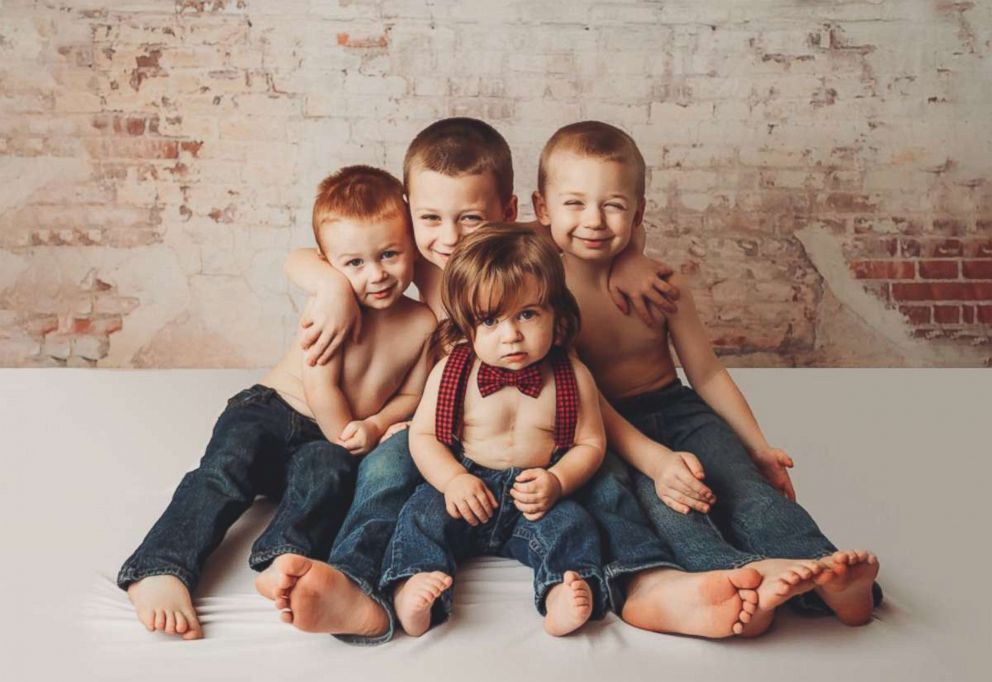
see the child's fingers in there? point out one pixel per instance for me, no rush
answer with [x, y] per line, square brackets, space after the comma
[487, 506]
[642, 311]
[665, 304]
[527, 475]
[466, 513]
[698, 505]
[452, 510]
[667, 289]
[478, 509]
[526, 498]
[694, 488]
[693, 464]
[619, 300]
[529, 508]
[677, 506]
[332, 348]
[349, 430]
[535, 516]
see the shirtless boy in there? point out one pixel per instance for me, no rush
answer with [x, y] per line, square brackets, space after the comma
[458, 175]
[297, 435]
[591, 195]
[508, 428]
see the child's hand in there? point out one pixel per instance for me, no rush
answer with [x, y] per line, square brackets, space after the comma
[534, 492]
[325, 324]
[467, 497]
[358, 437]
[394, 429]
[678, 484]
[773, 464]
[642, 282]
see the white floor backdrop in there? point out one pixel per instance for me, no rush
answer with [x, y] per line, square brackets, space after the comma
[894, 460]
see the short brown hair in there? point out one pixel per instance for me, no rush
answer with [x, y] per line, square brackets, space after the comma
[596, 139]
[485, 271]
[357, 192]
[462, 146]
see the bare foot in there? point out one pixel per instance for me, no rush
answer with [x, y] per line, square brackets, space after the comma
[712, 604]
[848, 590]
[569, 605]
[316, 597]
[163, 603]
[782, 580]
[414, 597]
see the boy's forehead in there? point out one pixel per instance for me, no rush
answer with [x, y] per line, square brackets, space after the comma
[425, 185]
[568, 166]
[340, 234]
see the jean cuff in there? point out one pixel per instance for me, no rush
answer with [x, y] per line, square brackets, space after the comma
[259, 561]
[376, 596]
[616, 572]
[596, 582]
[130, 575]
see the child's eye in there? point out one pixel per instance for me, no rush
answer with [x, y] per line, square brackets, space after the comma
[528, 314]
[471, 218]
[489, 322]
[573, 202]
[354, 262]
[386, 255]
[430, 218]
[618, 207]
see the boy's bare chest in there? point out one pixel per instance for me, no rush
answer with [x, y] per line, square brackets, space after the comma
[508, 410]
[622, 352]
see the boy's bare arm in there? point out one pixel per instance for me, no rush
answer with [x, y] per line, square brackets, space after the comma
[434, 460]
[713, 383]
[332, 310]
[325, 398]
[584, 458]
[404, 402]
[465, 496]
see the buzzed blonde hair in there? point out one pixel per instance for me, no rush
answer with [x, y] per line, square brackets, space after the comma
[488, 269]
[358, 193]
[462, 146]
[594, 139]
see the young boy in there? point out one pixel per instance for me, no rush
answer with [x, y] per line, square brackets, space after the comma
[508, 427]
[591, 195]
[458, 175]
[298, 433]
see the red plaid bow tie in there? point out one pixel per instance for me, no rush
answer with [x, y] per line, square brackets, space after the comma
[527, 380]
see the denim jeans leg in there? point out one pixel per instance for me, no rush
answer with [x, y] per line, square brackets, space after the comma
[693, 539]
[320, 482]
[564, 539]
[427, 539]
[387, 477]
[210, 498]
[628, 542]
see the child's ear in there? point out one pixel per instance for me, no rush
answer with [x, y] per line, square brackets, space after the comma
[540, 208]
[510, 212]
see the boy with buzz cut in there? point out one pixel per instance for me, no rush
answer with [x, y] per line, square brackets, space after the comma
[296, 436]
[591, 195]
[458, 176]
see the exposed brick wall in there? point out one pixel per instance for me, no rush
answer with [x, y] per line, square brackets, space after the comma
[820, 168]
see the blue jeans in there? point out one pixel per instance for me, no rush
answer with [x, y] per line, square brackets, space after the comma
[428, 539]
[387, 478]
[260, 445]
[751, 519]
[630, 544]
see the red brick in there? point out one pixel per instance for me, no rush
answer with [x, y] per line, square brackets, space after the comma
[977, 269]
[938, 269]
[916, 314]
[855, 203]
[944, 248]
[883, 269]
[380, 41]
[968, 314]
[985, 314]
[979, 248]
[947, 314]
[942, 291]
[909, 248]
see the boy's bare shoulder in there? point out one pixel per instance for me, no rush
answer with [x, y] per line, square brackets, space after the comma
[415, 314]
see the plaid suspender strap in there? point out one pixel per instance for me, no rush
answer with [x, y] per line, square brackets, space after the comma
[566, 399]
[451, 394]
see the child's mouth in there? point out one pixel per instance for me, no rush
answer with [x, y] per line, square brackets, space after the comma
[515, 357]
[593, 243]
[382, 293]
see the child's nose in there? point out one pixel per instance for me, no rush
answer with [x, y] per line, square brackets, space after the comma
[511, 332]
[377, 273]
[449, 233]
[593, 217]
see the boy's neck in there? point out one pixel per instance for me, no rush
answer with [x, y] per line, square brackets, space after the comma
[591, 271]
